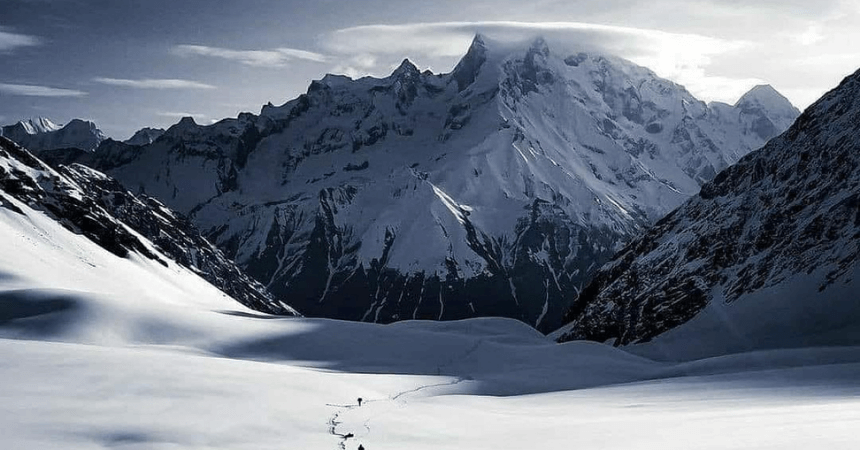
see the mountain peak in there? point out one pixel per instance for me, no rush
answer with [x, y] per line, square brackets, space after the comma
[405, 70]
[38, 125]
[763, 88]
[81, 122]
[770, 110]
[467, 69]
[479, 40]
[331, 80]
[40, 134]
[84, 127]
[186, 122]
[765, 95]
[145, 136]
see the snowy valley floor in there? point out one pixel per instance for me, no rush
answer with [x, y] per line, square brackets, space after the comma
[81, 396]
[101, 352]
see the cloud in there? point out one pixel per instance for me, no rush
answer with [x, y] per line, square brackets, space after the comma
[452, 38]
[10, 41]
[30, 90]
[681, 57]
[150, 83]
[811, 36]
[278, 57]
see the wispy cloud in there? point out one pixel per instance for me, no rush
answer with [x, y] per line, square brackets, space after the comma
[30, 90]
[278, 57]
[10, 41]
[451, 38]
[681, 57]
[150, 83]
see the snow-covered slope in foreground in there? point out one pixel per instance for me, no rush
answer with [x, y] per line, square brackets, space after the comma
[108, 352]
[69, 396]
[55, 284]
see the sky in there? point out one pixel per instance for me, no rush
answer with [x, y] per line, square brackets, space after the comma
[126, 64]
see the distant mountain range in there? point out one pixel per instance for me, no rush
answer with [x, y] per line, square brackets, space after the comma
[496, 189]
[41, 134]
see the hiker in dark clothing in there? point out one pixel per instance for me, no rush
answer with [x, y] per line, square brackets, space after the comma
[360, 447]
[359, 401]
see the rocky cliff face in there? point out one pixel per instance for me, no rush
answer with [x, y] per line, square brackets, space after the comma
[781, 227]
[496, 189]
[90, 203]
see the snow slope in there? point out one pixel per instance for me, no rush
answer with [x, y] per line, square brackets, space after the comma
[111, 352]
[62, 286]
[91, 204]
[496, 189]
[72, 396]
[765, 256]
[59, 286]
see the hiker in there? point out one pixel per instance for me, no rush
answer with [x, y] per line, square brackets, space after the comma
[359, 401]
[360, 447]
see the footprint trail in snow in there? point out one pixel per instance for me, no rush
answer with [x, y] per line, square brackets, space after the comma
[352, 422]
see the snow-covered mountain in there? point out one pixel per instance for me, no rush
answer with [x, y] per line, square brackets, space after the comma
[91, 204]
[32, 126]
[41, 134]
[495, 189]
[766, 254]
[26, 129]
[145, 136]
